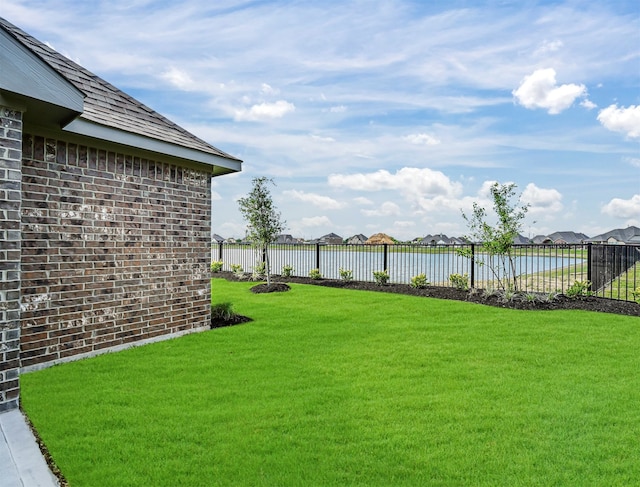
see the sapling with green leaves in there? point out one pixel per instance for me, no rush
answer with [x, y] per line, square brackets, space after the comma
[264, 221]
[497, 240]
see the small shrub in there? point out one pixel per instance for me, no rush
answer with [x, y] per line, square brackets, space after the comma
[346, 275]
[636, 294]
[552, 296]
[532, 297]
[216, 265]
[287, 270]
[222, 312]
[315, 274]
[508, 295]
[237, 270]
[460, 281]
[579, 289]
[488, 292]
[259, 272]
[381, 277]
[419, 282]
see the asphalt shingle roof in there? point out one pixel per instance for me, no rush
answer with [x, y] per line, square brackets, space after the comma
[627, 235]
[107, 105]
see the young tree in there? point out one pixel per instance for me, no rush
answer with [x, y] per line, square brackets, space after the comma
[497, 241]
[264, 222]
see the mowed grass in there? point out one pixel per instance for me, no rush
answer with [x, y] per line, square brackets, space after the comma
[339, 387]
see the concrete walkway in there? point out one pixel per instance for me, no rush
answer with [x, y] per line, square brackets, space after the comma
[21, 462]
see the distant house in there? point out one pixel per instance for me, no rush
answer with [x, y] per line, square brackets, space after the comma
[521, 240]
[215, 238]
[330, 239]
[379, 239]
[438, 239]
[541, 239]
[560, 238]
[285, 239]
[621, 236]
[568, 237]
[357, 239]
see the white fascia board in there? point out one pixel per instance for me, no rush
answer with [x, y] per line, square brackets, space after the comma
[220, 165]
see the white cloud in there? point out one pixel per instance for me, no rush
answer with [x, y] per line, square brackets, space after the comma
[425, 139]
[322, 139]
[315, 221]
[264, 111]
[315, 199]
[588, 104]
[424, 188]
[485, 189]
[404, 224]
[634, 161]
[387, 208]
[619, 208]
[230, 229]
[625, 120]
[541, 200]
[410, 180]
[360, 200]
[266, 89]
[338, 109]
[178, 78]
[539, 90]
[549, 46]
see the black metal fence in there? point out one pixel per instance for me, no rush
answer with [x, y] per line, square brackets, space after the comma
[613, 270]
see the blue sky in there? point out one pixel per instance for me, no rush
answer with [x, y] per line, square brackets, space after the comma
[383, 116]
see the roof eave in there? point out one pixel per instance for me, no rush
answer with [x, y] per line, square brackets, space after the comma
[219, 165]
[27, 76]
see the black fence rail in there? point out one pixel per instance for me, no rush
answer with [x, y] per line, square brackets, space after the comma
[613, 270]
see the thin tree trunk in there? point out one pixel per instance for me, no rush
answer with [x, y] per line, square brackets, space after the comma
[267, 266]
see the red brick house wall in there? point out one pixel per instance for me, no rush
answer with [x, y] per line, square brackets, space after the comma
[115, 250]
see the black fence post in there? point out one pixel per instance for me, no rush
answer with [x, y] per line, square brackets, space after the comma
[219, 250]
[318, 256]
[589, 262]
[473, 266]
[264, 255]
[385, 257]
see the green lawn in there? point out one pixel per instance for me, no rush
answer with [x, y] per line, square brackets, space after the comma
[339, 387]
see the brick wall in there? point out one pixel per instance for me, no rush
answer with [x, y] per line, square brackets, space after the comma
[115, 249]
[10, 167]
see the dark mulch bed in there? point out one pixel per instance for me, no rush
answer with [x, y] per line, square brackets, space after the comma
[233, 320]
[274, 287]
[591, 303]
